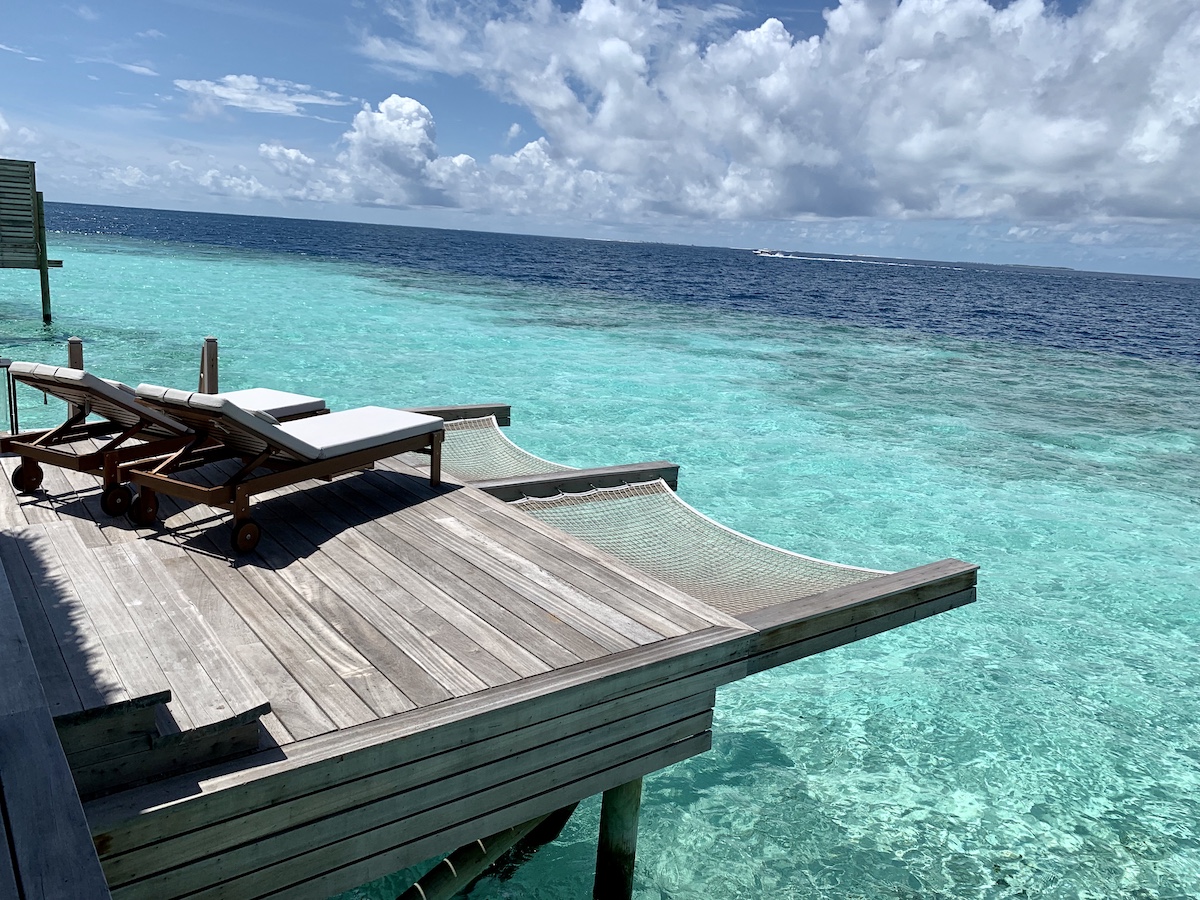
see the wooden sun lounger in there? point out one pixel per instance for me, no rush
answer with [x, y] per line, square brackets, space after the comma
[137, 433]
[291, 452]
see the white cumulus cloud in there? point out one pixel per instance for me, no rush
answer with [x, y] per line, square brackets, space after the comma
[129, 177]
[287, 160]
[242, 184]
[924, 108]
[388, 153]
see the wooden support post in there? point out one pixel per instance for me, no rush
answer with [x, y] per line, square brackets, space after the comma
[617, 847]
[42, 261]
[74, 361]
[456, 872]
[208, 367]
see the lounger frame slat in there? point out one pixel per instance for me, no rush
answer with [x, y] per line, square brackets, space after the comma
[264, 446]
[234, 496]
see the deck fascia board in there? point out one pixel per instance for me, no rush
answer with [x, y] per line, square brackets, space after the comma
[502, 412]
[866, 598]
[325, 760]
[377, 865]
[829, 640]
[423, 768]
[469, 785]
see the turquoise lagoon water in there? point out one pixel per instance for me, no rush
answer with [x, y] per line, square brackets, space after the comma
[1043, 742]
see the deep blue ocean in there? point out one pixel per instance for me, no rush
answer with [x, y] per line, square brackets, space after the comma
[1045, 424]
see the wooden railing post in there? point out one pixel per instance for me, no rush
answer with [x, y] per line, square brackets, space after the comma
[617, 847]
[74, 353]
[74, 361]
[208, 367]
[10, 394]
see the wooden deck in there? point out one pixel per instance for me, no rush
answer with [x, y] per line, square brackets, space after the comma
[396, 671]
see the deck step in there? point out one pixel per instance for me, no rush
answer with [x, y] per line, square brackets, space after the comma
[119, 722]
[142, 687]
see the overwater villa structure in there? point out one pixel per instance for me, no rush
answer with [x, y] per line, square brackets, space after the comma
[405, 664]
[23, 225]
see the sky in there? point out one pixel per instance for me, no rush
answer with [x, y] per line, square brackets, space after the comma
[1022, 132]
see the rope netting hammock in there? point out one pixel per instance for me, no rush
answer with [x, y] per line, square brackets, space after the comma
[647, 526]
[477, 450]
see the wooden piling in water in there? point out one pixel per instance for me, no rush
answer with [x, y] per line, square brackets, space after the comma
[616, 850]
[43, 262]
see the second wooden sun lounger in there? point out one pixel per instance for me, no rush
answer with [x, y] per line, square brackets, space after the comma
[136, 433]
[290, 452]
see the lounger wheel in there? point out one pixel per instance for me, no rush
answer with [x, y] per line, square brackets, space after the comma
[27, 477]
[116, 500]
[144, 510]
[245, 535]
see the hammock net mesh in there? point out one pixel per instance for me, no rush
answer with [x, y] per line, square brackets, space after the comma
[647, 526]
[476, 450]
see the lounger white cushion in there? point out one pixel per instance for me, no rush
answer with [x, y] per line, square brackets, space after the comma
[348, 430]
[111, 399]
[319, 437]
[280, 404]
[118, 402]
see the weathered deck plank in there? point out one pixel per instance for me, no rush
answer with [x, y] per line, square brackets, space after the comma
[461, 616]
[207, 686]
[363, 585]
[120, 642]
[93, 674]
[11, 514]
[33, 507]
[61, 694]
[304, 690]
[416, 540]
[473, 618]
